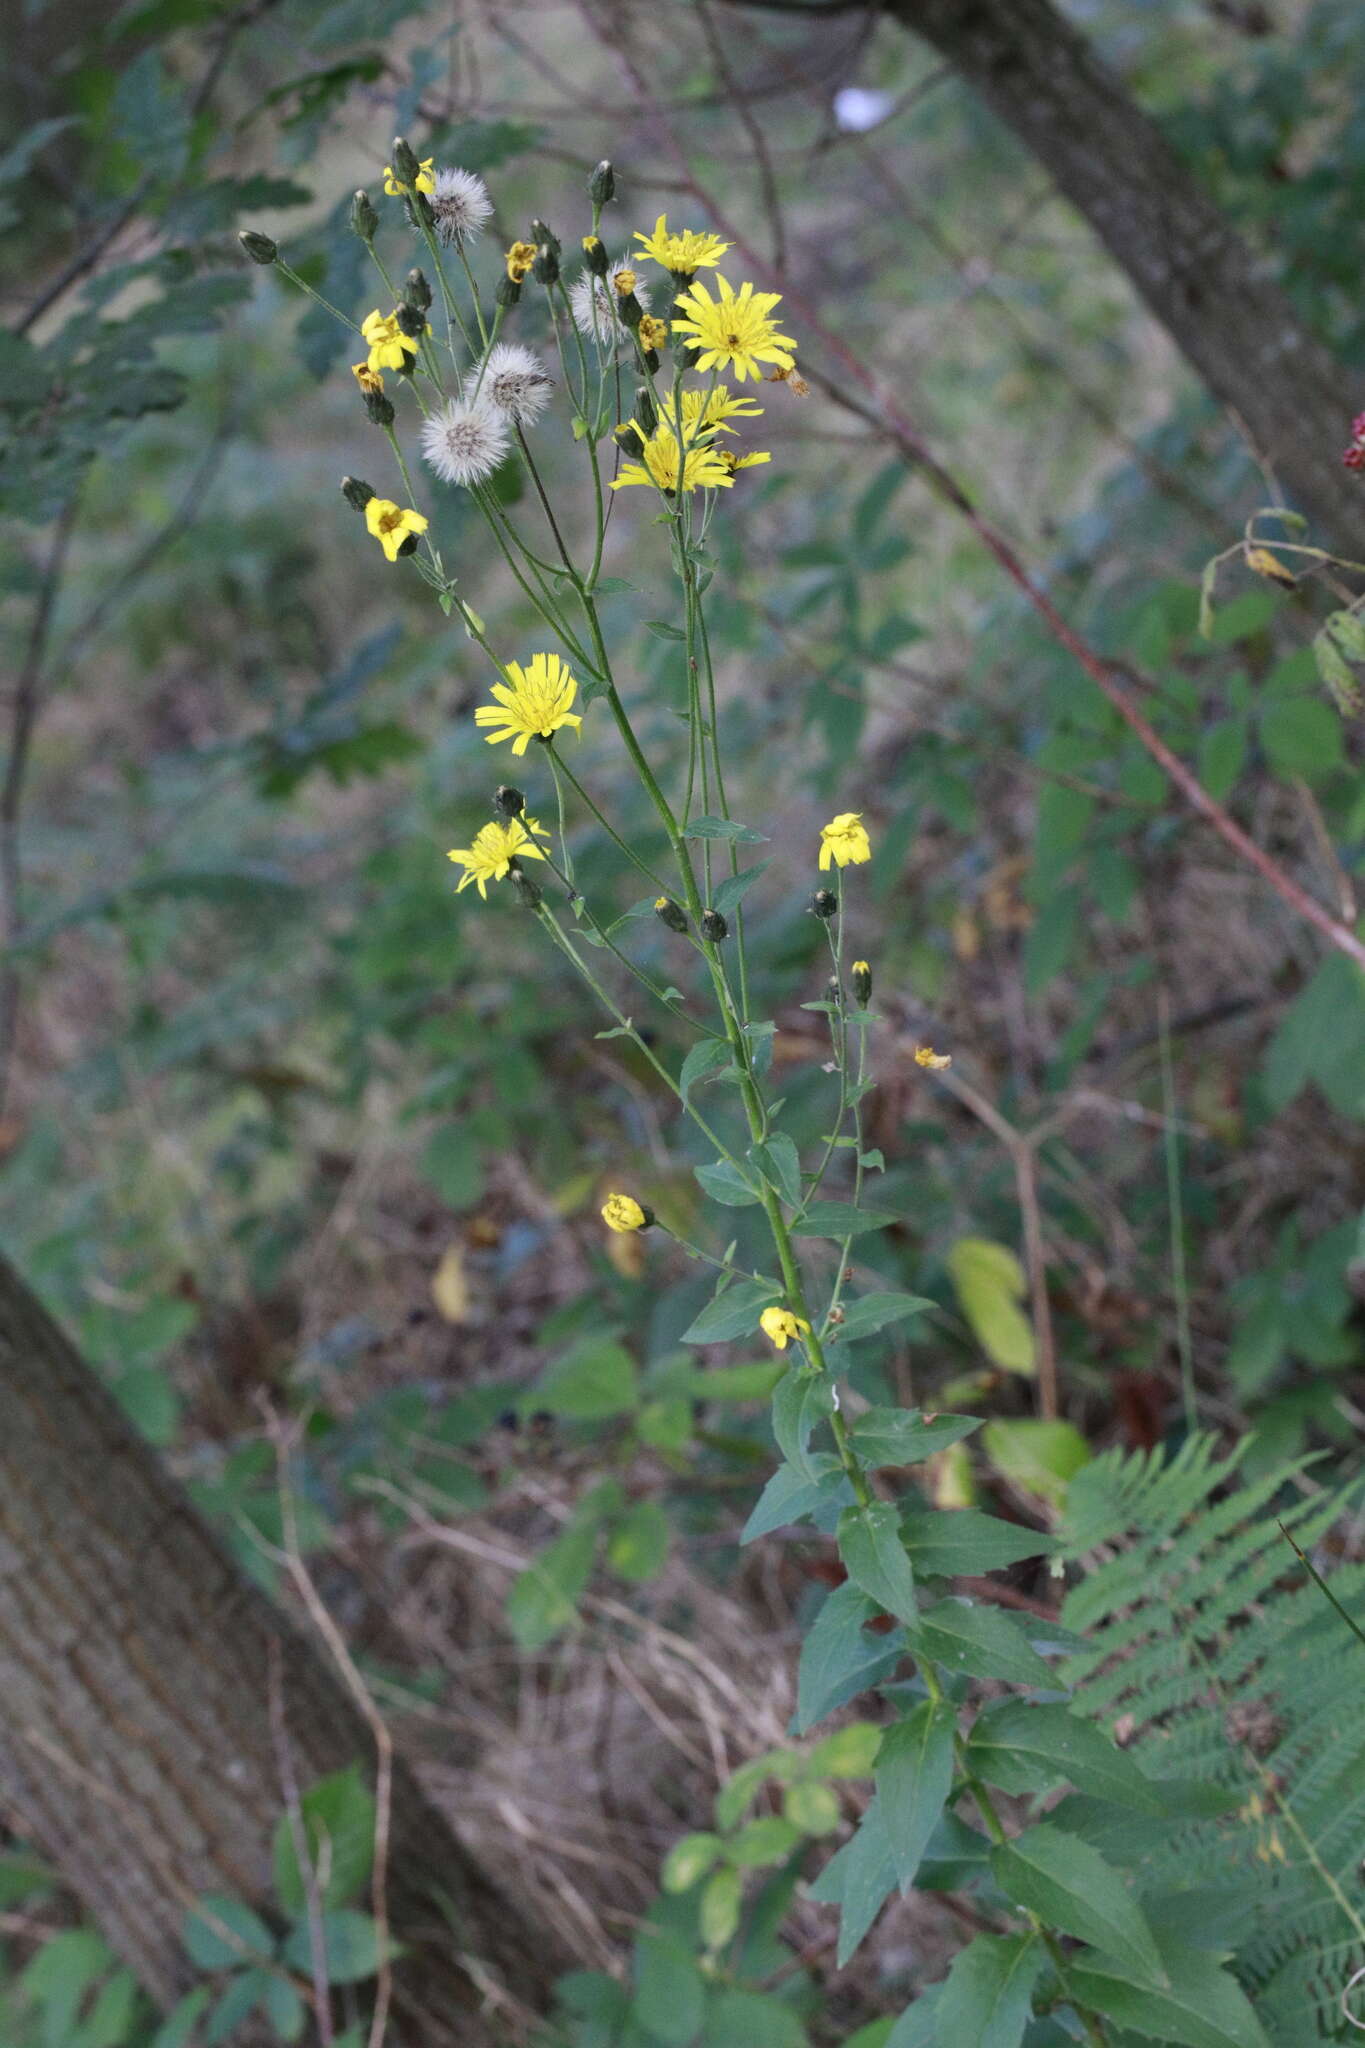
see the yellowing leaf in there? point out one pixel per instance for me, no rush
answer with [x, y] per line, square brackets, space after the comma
[450, 1286]
[990, 1284]
[1270, 566]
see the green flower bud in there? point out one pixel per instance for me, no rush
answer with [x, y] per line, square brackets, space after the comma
[860, 974]
[545, 269]
[379, 408]
[646, 412]
[509, 802]
[356, 492]
[714, 927]
[526, 889]
[508, 292]
[406, 169]
[670, 913]
[412, 320]
[259, 248]
[364, 219]
[595, 255]
[602, 184]
[416, 291]
[824, 903]
[630, 309]
[545, 237]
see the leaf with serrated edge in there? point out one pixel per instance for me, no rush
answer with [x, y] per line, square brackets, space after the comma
[1070, 1886]
[914, 1773]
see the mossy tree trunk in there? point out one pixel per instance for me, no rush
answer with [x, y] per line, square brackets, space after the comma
[136, 1742]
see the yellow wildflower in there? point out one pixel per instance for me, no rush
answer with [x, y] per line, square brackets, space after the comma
[702, 468]
[496, 846]
[653, 333]
[534, 702]
[734, 331]
[845, 839]
[734, 462]
[623, 282]
[685, 250]
[368, 379]
[708, 411]
[391, 524]
[781, 1326]
[623, 1213]
[519, 259]
[925, 1056]
[426, 179]
[389, 346]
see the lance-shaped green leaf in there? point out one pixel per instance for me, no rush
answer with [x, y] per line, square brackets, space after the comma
[708, 1056]
[1024, 1748]
[1070, 1886]
[962, 1543]
[871, 1548]
[858, 1880]
[914, 1777]
[790, 1496]
[988, 1998]
[839, 1659]
[901, 1436]
[873, 1312]
[1200, 2005]
[980, 1641]
[733, 1313]
[800, 1400]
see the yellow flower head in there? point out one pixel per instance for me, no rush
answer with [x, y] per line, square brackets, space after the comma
[426, 181]
[623, 1213]
[495, 847]
[653, 333]
[845, 839]
[925, 1056]
[781, 1326]
[623, 282]
[735, 331]
[534, 702]
[389, 346]
[391, 524]
[707, 412]
[519, 259]
[701, 467]
[734, 462]
[685, 251]
[368, 379]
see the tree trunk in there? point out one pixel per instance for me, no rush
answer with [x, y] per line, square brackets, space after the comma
[1232, 323]
[136, 1745]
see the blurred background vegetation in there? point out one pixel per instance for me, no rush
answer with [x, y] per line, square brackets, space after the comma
[287, 1129]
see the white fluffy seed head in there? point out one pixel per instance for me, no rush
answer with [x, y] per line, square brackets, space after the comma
[461, 205]
[465, 441]
[594, 303]
[516, 382]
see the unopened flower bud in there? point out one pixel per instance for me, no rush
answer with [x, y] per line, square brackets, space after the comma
[412, 320]
[714, 927]
[670, 913]
[526, 889]
[595, 255]
[509, 802]
[545, 269]
[356, 492]
[416, 290]
[834, 990]
[507, 292]
[364, 219]
[630, 309]
[860, 974]
[379, 408]
[545, 237]
[259, 248]
[824, 903]
[646, 412]
[602, 184]
[406, 169]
